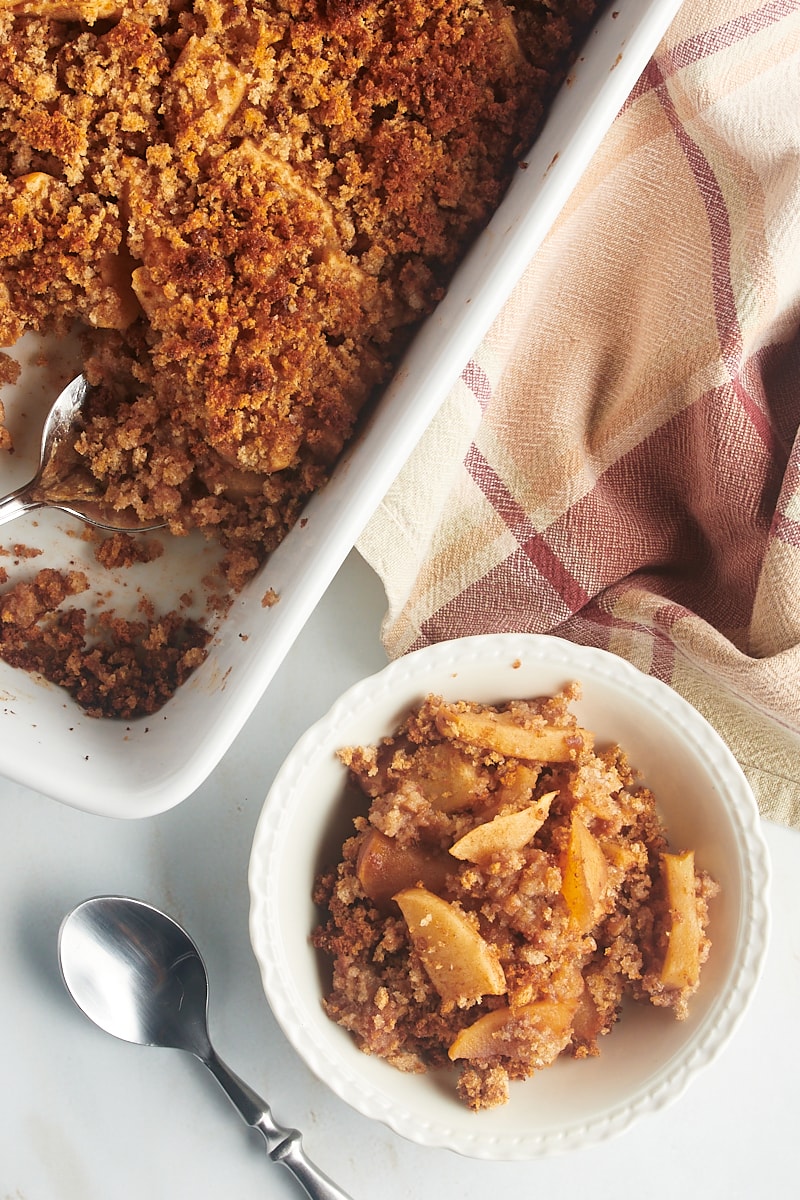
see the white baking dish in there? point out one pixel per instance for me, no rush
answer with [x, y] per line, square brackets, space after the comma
[138, 768]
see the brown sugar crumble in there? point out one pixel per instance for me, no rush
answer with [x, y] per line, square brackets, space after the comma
[9, 373]
[247, 206]
[508, 887]
[122, 550]
[110, 666]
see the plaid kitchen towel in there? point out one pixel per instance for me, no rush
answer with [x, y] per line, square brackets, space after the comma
[620, 462]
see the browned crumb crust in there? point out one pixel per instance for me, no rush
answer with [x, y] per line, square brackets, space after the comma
[380, 990]
[123, 550]
[248, 206]
[9, 373]
[20, 551]
[113, 668]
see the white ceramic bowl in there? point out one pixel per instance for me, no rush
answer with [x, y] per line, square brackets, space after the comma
[649, 1057]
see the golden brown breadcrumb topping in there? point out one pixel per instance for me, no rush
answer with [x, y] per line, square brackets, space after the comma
[247, 207]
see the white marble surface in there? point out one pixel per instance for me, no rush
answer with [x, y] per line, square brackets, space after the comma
[85, 1117]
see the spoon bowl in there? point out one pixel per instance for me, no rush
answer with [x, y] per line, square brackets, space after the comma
[138, 975]
[60, 483]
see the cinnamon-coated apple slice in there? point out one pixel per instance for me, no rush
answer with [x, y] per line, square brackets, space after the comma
[513, 1032]
[461, 964]
[502, 733]
[385, 868]
[681, 968]
[585, 876]
[448, 778]
[509, 831]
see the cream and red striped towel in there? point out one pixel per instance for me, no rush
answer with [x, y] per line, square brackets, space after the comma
[620, 462]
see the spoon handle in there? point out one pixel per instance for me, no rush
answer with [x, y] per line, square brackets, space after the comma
[316, 1182]
[283, 1145]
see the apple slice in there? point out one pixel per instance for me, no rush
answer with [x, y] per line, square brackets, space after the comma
[385, 868]
[510, 831]
[544, 1026]
[447, 777]
[501, 733]
[517, 785]
[461, 965]
[681, 968]
[585, 876]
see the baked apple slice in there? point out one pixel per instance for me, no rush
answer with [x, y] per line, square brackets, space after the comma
[517, 784]
[461, 964]
[544, 1027]
[502, 733]
[385, 868]
[448, 778]
[585, 876]
[510, 831]
[681, 967]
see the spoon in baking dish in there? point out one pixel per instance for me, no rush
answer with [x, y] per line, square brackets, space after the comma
[58, 483]
[138, 975]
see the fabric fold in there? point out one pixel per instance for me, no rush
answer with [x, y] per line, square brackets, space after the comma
[620, 462]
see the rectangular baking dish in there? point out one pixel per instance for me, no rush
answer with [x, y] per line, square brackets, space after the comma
[146, 766]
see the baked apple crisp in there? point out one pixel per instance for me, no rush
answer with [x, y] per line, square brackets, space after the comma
[509, 886]
[247, 206]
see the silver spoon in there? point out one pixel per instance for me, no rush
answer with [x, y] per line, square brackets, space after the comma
[56, 484]
[138, 975]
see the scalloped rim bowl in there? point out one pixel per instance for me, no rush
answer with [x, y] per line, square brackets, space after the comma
[649, 1058]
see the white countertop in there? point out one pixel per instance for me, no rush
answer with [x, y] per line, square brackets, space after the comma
[86, 1117]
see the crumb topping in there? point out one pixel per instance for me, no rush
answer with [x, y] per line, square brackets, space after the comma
[248, 206]
[494, 910]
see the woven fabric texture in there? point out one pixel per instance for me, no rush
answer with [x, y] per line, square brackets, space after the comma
[620, 462]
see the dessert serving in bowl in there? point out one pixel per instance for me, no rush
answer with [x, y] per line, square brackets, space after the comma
[550, 978]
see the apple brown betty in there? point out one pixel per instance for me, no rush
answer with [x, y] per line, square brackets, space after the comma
[510, 886]
[247, 206]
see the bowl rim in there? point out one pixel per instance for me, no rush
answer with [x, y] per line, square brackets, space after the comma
[707, 1040]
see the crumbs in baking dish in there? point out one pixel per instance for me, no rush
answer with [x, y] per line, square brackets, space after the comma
[111, 666]
[508, 887]
[247, 206]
